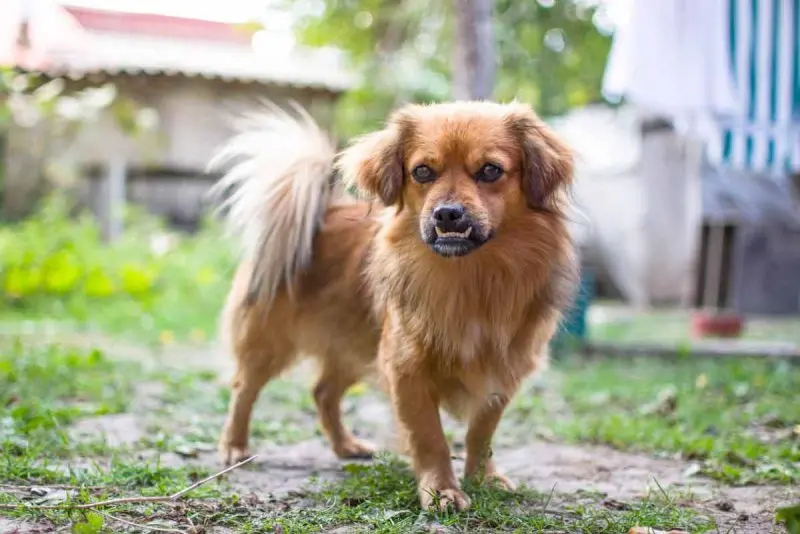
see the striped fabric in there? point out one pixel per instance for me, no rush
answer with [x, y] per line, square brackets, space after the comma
[764, 54]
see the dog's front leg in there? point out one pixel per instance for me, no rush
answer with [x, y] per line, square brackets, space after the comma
[480, 464]
[417, 412]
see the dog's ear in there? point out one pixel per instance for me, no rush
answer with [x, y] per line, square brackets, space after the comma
[547, 162]
[374, 164]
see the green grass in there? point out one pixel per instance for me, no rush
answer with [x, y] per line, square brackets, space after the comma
[736, 419]
[44, 389]
[375, 498]
[382, 498]
[193, 406]
[673, 327]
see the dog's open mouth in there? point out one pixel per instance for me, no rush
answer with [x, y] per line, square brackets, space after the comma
[454, 244]
[453, 235]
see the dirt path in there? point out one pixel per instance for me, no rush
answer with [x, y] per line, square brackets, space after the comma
[544, 466]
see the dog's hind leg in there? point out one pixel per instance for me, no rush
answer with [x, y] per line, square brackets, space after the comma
[251, 375]
[333, 383]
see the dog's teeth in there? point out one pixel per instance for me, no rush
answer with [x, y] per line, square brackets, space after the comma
[463, 234]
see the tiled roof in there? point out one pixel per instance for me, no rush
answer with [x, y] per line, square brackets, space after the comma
[158, 25]
[113, 43]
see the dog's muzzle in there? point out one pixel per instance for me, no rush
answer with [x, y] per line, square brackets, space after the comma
[451, 232]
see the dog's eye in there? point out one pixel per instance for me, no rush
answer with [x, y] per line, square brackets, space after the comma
[423, 174]
[489, 173]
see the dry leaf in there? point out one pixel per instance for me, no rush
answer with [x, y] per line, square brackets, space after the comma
[666, 404]
[187, 451]
[701, 382]
[693, 469]
[55, 496]
[615, 504]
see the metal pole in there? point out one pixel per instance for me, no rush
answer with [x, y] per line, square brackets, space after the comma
[113, 199]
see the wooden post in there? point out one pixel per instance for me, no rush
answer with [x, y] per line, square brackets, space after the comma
[112, 199]
[714, 266]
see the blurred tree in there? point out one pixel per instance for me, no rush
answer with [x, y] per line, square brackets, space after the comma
[550, 53]
[474, 52]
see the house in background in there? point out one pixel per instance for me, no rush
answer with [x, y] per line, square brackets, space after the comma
[647, 205]
[195, 74]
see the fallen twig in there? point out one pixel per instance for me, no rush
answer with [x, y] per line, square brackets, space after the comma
[130, 500]
[137, 525]
[50, 486]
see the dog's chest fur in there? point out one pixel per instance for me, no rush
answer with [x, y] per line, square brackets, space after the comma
[477, 325]
[477, 334]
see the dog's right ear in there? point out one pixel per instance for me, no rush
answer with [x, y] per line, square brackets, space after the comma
[374, 164]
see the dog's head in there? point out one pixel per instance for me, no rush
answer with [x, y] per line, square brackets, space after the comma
[461, 169]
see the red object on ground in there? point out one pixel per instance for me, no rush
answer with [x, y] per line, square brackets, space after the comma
[717, 324]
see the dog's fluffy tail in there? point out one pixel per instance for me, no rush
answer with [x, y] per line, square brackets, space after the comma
[275, 193]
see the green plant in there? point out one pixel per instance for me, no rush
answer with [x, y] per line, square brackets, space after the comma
[149, 282]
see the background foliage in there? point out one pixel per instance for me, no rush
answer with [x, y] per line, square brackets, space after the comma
[150, 285]
[550, 53]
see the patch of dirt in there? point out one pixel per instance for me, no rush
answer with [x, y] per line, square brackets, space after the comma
[283, 469]
[13, 526]
[119, 429]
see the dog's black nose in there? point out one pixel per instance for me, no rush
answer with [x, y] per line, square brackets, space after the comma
[450, 218]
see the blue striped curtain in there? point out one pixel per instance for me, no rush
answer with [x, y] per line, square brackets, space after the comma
[764, 45]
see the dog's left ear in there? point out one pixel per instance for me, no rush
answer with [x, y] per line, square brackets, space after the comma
[547, 162]
[374, 164]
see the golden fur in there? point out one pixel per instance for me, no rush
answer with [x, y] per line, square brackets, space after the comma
[457, 332]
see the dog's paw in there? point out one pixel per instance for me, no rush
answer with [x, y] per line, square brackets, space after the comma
[229, 454]
[496, 480]
[354, 449]
[441, 499]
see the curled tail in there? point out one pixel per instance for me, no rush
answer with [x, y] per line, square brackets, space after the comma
[275, 193]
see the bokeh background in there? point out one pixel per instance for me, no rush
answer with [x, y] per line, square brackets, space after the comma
[114, 107]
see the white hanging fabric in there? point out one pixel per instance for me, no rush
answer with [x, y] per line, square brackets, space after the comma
[725, 70]
[670, 58]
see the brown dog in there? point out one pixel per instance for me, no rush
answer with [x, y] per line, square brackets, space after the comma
[456, 281]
